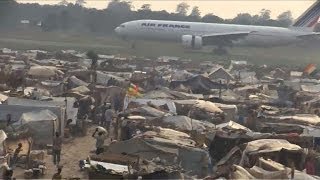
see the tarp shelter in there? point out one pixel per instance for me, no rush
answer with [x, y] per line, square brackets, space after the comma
[167, 149]
[301, 119]
[43, 71]
[73, 82]
[41, 124]
[263, 146]
[80, 89]
[198, 84]
[270, 145]
[16, 112]
[3, 137]
[185, 123]
[54, 87]
[146, 111]
[181, 75]
[3, 98]
[103, 78]
[230, 111]
[220, 74]
[184, 106]
[158, 102]
[311, 88]
[50, 102]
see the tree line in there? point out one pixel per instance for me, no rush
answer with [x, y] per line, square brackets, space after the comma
[66, 16]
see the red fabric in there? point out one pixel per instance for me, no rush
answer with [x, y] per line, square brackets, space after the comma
[310, 167]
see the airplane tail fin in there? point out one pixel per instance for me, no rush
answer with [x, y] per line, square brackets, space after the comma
[310, 18]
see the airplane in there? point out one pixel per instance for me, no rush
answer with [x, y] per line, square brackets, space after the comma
[195, 35]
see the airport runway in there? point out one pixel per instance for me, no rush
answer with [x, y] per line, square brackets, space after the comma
[55, 44]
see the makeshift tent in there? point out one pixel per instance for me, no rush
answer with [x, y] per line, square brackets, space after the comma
[3, 98]
[263, 146]
[54, 87]
[73, 82]
[43, 71]
[181, 75]
[270, 145]
[301, 119]
[169, 150]
[197, 84]
[3, 137]
[80, 90]
[158, 102]
[146, 111]
[185, 123]
[220, 74]
[41, 124]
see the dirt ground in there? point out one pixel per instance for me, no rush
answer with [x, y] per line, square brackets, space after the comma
[73, 150]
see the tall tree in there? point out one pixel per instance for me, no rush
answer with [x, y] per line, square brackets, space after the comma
[265, 14]
[195, 12]
[285, 19]
[6, 8]
[243, 18]
[80, 2]
[119, 6]
[146, 7]
[64, 20]
[211, 18]
[50, 22]
[63, 3]
[182, 8]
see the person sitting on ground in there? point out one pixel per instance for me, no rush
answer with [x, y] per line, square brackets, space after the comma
[16, 154]
[100, 138]
[260, 114]
[58, 174]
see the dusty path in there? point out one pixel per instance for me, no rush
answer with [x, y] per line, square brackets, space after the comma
[72, 151]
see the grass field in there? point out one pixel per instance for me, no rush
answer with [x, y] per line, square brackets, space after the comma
[51, 41]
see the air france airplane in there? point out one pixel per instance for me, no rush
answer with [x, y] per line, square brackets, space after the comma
[195, 35]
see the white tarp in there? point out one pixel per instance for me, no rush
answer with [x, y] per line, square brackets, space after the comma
[158, 102]
[103, 78]
[43, 115]
[3, 98]
[3, 137]
[43, 71]
[270, 145]
[311, 88]
[184, 123]
[233, 125]
[181, 75]
[40, 124]
[109, 166]
[300, 119]
[52, 102]
[80, 89]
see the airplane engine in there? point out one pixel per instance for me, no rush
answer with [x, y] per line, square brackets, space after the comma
[192, 41]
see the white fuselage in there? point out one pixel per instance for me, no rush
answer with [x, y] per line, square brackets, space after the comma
[174, 30]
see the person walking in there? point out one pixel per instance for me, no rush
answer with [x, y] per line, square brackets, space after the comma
[100, 138]
[15, 155]
[108, 115]
[56, 148]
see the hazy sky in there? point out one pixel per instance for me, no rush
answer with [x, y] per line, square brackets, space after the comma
[224, 9]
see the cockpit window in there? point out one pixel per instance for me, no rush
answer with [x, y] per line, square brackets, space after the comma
[122, 26]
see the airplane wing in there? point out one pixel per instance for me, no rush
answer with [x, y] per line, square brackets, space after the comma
[223, 39]
[310, 36]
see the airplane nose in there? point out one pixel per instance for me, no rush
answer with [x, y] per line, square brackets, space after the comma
[117, 30]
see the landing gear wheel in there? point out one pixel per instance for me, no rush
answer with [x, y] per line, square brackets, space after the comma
[220, 51]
